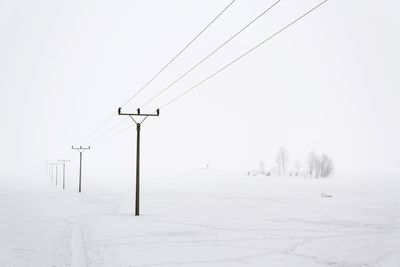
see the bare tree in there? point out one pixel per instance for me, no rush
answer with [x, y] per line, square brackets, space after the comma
[297, 166]
[282, 159]
[326, 166]
[312, 162]
[319, 166]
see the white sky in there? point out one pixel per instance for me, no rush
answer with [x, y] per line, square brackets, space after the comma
[330, 83]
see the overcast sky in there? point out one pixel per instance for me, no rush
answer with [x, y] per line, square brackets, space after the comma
[330, 83]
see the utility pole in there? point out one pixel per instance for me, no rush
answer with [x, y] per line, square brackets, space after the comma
[48, 169]
[63, 163]
[138, 124]
[56, 172]
[51, 171]
[80, 150]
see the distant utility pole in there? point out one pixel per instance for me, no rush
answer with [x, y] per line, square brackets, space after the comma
[51, 171]
[138, 114]
[56, 164]
[63, 161]
[80, 149]
[48, 168]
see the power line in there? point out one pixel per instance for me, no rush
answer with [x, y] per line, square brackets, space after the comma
[67, 152]
[215, 73]
[109, 129]
[177, 55]
[212, 53]
[243, 55]
[98, 128]
[159, 72]
[112, 136]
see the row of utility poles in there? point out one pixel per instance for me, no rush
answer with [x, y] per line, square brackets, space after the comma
[52, 173]
[81, 149]
[63, 162]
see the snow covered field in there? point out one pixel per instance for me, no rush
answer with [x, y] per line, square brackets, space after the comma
[202, 218]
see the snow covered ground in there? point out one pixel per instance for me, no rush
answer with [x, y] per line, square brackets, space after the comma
[202, 218]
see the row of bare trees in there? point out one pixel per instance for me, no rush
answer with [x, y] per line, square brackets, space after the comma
[315, 165]
[319, 165]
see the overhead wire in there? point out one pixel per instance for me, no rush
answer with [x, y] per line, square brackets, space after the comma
[160, 71]
[98, 127]
[243, 55]
[210, 54]
[210, 76]
[110, 129]
[179, 53]
[112, 136]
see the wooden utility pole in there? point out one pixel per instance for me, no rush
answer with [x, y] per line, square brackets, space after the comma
[80, 150]
[63, 161]
[56, 172]
[52, 172]
[138, 128]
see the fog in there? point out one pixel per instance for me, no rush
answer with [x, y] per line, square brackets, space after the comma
[330, 83]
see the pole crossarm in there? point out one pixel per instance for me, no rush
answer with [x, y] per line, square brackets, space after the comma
[55, 164]
[138, 113]
[81, 148]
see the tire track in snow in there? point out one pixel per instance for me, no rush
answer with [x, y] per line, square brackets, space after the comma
[78, 251]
